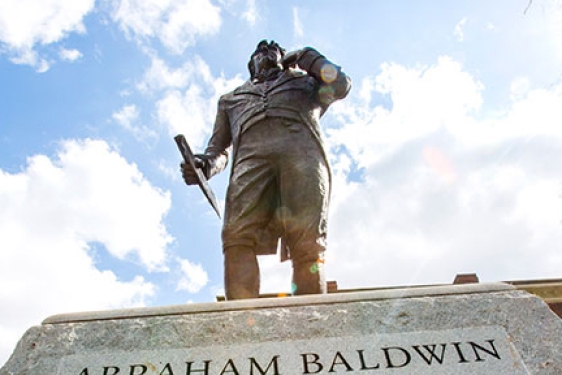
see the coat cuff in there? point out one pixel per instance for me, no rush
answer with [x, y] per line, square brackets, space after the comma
[214, 163]
[315, 64]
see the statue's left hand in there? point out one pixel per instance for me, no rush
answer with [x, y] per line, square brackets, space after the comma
[189, 175]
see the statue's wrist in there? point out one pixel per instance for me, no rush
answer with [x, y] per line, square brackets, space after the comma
[213, 163]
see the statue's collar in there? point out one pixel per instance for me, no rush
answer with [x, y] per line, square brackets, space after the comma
[253, 87]
[267, 75]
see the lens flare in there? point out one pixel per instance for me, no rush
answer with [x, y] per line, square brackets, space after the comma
[326, 94]
[314, 268]
[440, 163]
[328, 73]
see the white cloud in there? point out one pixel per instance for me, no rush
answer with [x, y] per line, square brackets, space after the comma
[191, 111]
[548, 15]
[556, 25]
[26, 23]
[519, 88]
[70, 54]
[127, 117]
[30, 57]
[276, 276]
[297, 23]
[187, 114]
[247, 10]
[250, 15]
[459, 30]
[193, 278]
[424, 99]
[176, 23]
[445, 186]
[160, 77]
[52, 213]
[533, 112]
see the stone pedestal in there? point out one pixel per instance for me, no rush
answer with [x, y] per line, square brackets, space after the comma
[467, 329]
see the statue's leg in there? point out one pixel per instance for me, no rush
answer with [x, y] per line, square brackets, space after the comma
[248, 209]
[241, 273]
[304, 185]
[309, 276]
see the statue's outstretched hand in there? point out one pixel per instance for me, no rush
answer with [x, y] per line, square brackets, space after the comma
[189, 175]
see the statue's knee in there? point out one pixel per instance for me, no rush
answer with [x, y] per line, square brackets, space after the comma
[239, 255]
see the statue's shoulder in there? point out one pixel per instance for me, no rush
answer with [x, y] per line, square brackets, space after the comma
[224, 98]
[246, 86]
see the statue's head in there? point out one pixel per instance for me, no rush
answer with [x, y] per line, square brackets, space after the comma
[266, 56]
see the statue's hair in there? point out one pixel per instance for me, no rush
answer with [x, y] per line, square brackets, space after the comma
[261, 44]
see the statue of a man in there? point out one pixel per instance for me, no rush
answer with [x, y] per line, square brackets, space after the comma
[280, 180]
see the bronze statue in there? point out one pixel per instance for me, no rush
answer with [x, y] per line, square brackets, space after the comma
[280, 180]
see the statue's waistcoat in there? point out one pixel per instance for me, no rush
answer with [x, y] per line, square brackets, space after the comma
[292, 96]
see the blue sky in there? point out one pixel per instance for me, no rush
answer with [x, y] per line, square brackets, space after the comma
[446, 154]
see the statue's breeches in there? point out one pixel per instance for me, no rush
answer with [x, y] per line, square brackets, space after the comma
[279, 188]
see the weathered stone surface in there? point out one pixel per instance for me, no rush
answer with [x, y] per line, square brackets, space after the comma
[518, 322]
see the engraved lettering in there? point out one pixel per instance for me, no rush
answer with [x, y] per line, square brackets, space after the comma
[273, 362]
[462, 359]
[229, 364]
[205, 370]
[493, 352]
[340, 360]
[306, 361]
[389, 363]
[168, 369]
[363, 365]
[107, 368]
[328, 356]
[133, 367]
[431, 350]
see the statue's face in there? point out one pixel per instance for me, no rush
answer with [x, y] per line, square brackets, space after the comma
[266, 57]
